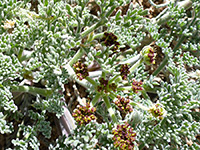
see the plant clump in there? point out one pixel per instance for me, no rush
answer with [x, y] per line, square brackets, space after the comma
[81, 70]
[55, 54]
[84, 114]
[124, 137]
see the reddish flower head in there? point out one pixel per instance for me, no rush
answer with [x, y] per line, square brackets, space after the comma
[124, 137]
[123, 105]
[137, 86]
[84, 114]
[124, 71]
[81, 70]
[105, 86]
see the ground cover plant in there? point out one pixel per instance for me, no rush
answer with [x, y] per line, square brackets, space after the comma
[100, 74]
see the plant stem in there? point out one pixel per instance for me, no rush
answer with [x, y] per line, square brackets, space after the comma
[137, 58]
[163, 19]
[118, 79]
[79, 26]
[95, 99]
[103, 74]
[95, 73]
[99, 35]
[138, 105]
[131, 60]
[147, 89]
[164, 62]
[78, 55]
[91, 81]
[161, 5]
[183, 36]
[124, 88]
[72, 74]
[114, 78]
[19, 56]
[93, 27]
[185, 4]
[110, 110]
[112, 95]
[33, 90]
[136, 65]
[144, 94]
[110, 11]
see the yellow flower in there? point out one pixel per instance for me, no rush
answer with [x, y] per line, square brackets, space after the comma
[9, 24]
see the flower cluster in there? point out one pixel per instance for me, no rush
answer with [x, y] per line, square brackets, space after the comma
[84, 114]
[8, 24]
[110, 39]
[137, 86]
[148, 55]
[157, 111]
[124, 71]
[123, 104]
[81, 70]
[105, 86]
[124, 137]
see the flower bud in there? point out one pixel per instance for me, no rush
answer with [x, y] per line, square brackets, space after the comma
[157, 111]
[148, 55]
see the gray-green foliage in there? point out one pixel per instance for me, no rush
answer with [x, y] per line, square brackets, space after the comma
[93, 135]
[29, 141]
[179, 98]
[129, 27]
[39, 50]
[34, 50]
[4, 127]
[10, 68]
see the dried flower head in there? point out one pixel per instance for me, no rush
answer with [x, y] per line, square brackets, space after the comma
[124, 137]
[148, 55]
[157, 111]
[124, 71]
[137, 86]
[105, 86]
[112, 86]
[110, 39]
[81, 70]
[84, 114]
